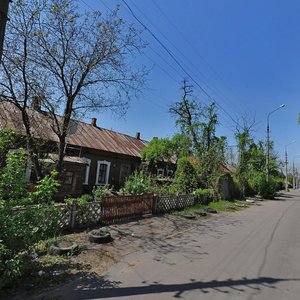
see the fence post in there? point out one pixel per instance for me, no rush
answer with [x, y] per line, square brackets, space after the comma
[73, 214]
[154, 204]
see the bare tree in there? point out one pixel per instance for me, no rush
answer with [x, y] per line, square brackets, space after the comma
[74, 62]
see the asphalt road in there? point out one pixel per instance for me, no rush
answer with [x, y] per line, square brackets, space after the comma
[251, 254]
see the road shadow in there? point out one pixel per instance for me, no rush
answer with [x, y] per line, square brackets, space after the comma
[102, 288]
[173, 234]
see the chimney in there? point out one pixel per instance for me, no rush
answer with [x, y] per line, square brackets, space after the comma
[94, 122]
[138, 135]
[36, 103]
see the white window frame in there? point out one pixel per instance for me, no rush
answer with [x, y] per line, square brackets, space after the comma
[29, 165]
[87, 170]
[102, 162]
[162, 172]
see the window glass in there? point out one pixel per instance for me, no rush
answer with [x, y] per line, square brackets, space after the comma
[102, 173]
[68, 178]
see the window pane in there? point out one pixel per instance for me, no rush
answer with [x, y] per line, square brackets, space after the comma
[102, 173]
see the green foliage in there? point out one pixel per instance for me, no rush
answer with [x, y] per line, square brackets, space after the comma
[100, 192]
[10, 266]
[137, 183]
[267, 189]
[46, 189]
[162, 188]
[84, 199]
[157, 150]
[12, 176]
[160, 150]
[7, 139]
[203, 192]
[204, 196]
[223, 205]
[21, 228]
[185, 180]
[182, 145]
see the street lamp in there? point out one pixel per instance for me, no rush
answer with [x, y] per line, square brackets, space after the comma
[286, 165]
[268, 142]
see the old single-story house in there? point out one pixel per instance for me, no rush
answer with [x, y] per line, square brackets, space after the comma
[93, 155]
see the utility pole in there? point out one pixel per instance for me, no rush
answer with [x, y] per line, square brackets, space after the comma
[268, 142]
[286, 171]
[3, 19]
[267, 150]
[294, 179]
[286, 166]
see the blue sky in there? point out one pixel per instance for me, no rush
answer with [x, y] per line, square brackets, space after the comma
[245, 54]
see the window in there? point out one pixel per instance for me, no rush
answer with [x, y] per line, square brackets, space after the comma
[170, 173]
[102, 175]
[28, 170]
[160, 172]
[124, 173]
[87, 170]
[68, 178]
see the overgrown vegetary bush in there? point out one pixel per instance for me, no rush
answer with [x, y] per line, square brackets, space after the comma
[203, 192]
[185, 180]
[137, 183]
[100, 192]
[21, 225]
[204, 195]
[267, 189]
[12, 176]
[20, 229]
[45, 189]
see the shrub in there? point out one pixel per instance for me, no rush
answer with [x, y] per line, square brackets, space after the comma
[137, 183]
[203, 192]
[267, 189]
[12, 178]
[185, 179]
[10, 266]
[204, 195]
[100, 192]
[21, 228]
[84, 199]
[46, 189]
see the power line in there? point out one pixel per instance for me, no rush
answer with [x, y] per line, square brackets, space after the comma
[207, 83]
[172, 56]
[193, 47]
[177, 62]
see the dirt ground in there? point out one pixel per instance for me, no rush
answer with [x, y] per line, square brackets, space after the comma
[94, 259]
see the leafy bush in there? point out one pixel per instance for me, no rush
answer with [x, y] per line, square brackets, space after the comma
[12, 177]
[137, 183]
[204, 196]
[203, 192]
[10, 266]
[100, 192]
[46, 189]
[84, 199]
[267, 189]
[7, 139]
[21, 228]
[185, 180]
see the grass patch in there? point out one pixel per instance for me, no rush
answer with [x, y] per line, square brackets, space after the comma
[224, 205]
[219, 206]
[192, 209]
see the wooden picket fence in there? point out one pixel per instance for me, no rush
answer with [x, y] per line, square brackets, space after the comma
[115, 209]
[120, 208]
